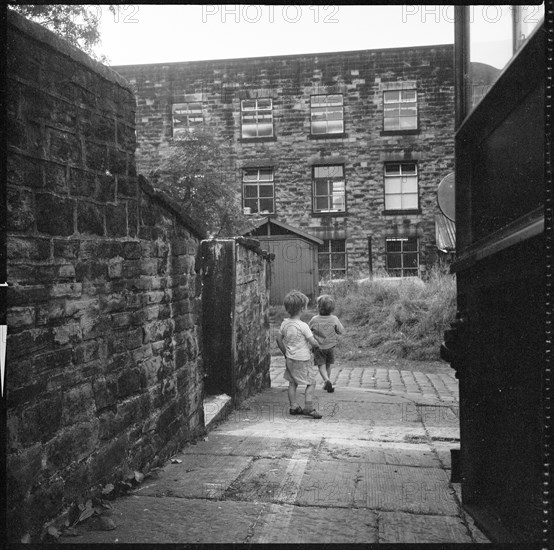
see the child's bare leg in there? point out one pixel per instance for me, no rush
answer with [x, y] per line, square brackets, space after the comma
[324, 372]
[328, 386]
[292, 395]
[309, 408]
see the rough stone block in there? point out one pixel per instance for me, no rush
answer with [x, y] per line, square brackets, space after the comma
[128, 382]
[65, 147]
[82, 183]
[21, 317]
[23, 171]
[117, 162]
[55, 177]
[149, 371]
[65, 249]
[78, 405]
[127, 186]
[51, 311]
[24, 248]
[109, 460]
[73, 444]
[90, 218]
[131, 250]
[106, 186]
[59, 359]
[105, 393]
[96, 157]
[21, 215]
[116, 220]
[41, 420]
[59, 224]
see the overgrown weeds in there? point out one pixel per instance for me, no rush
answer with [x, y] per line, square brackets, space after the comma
[403, 318]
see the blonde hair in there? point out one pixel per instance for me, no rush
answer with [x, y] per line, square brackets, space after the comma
[325, 304]
[295, 301]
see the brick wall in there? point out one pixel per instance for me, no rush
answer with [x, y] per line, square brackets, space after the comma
[104, 370]
[235, 303]
[361, 77]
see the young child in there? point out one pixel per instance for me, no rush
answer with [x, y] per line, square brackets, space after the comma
[295, 340]
[326, 328]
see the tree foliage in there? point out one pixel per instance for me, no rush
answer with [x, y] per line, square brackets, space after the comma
[78, 24]
[197, 171]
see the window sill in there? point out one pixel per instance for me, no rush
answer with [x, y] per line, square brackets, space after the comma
[342, 135]
[328, 214]
[401, 212]
[257, 139]
[400, 132]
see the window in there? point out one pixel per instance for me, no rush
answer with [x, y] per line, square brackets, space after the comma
[256, 118]
[327, 114]
[329, 189]
[186, 117]
[258, 191]
[332, 259]
[401, 186]
[402, 257]
[400, 110]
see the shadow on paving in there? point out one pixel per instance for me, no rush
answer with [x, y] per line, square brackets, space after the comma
[368, 471]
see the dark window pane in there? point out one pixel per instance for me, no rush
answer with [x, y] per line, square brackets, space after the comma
[266, 190]
[393, 245]
[250, 191]
[410, 260]
[410, 245]
[338, 245]
[394, 261]
[321, 203]
[321, 188]
[338, 260]
[252, 204]
[266, 205]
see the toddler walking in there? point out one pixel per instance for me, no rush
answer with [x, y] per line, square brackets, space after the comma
[295, 340]
[326, 328]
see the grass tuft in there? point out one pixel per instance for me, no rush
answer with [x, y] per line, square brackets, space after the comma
[402, 318]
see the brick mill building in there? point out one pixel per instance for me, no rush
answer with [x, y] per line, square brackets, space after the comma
[346, 147]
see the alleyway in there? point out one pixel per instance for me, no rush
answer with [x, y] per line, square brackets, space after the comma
[376, 468]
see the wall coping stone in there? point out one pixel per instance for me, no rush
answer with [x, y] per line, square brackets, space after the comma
[42, 34]
[254, 245]
[194, 225]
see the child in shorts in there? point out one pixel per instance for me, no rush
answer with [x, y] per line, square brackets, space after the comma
[326, 328]
[295, 340]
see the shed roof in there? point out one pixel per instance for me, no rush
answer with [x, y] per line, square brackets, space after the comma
[288, 228]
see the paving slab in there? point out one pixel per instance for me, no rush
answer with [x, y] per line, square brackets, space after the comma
[398, 527]
[151, 520]
[288, 524]
[378, 452]
[406, 489]
[197, 476]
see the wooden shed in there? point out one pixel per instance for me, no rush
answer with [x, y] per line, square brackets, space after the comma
[295, 264]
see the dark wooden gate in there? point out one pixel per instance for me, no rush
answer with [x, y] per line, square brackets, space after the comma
[498, 343]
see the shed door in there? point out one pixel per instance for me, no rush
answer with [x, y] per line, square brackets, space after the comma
[293, 268]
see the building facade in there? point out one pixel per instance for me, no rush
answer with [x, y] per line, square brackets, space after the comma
[348, 147]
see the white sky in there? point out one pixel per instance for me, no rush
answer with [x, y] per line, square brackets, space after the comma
[143, 33]
[167, 33]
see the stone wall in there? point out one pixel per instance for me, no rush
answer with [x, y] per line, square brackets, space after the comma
[235, 301]
[361, 77]
[104, 368]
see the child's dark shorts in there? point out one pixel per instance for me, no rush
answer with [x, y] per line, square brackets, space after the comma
[324, 356]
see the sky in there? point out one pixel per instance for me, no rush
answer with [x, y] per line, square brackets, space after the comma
[142, 33]
[167, 33]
